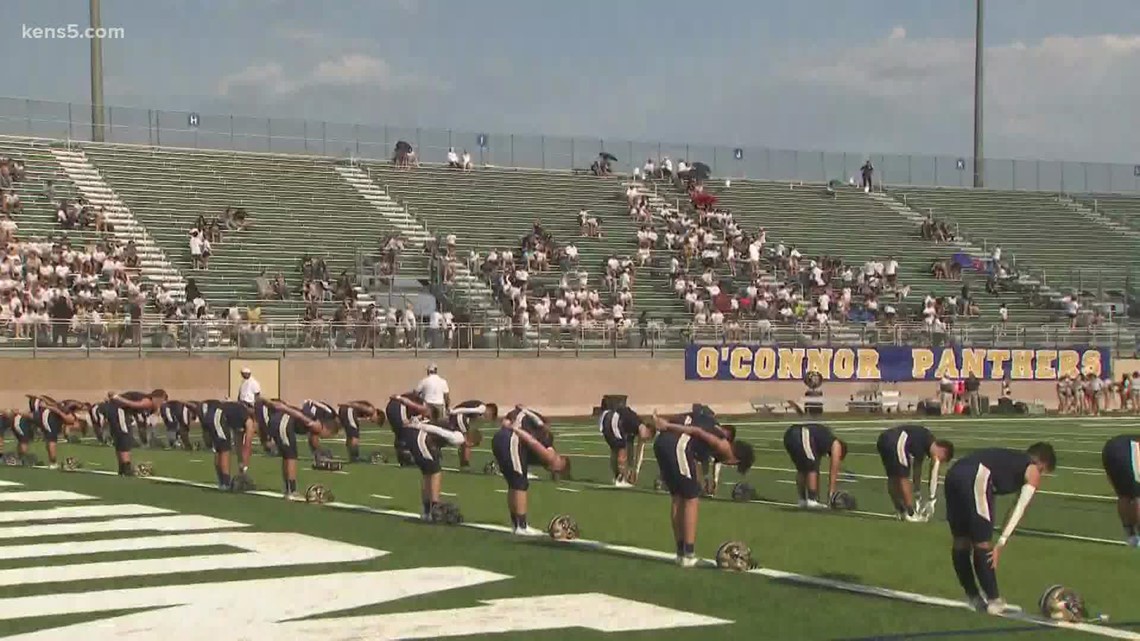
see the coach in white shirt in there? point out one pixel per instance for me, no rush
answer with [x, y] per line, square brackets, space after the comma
[435, 392]
[250, 390]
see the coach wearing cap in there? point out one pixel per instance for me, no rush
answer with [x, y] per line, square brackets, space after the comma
[437, 396]
[250, 389]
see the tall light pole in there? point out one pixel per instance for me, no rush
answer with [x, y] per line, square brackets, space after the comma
[979, 91]
[96, 73]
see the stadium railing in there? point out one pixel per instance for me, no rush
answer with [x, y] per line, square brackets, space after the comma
[158, 127]
[196, 337]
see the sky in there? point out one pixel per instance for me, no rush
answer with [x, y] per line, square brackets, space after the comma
[872, 76]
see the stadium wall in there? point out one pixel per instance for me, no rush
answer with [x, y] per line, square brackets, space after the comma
[557, 386]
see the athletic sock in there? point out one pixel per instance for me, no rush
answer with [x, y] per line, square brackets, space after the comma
[292, 484]
[688, 549]
[813, 496]
[1129, 531]
[226, 480]
[522, 524]
[218, 473]
[910, 510]
[353, 452]
[964, 568]
[987, 577]
[427, 507]
[124, 468]
[680, 548]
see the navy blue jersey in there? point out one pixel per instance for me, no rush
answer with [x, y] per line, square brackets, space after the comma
[1007, 467]
[135, 397]
[350, 417]
[915, 440]
[99, 414]
[176, 414]
[623, 421]
[707, 422]
[261, 413]
[464, 413]
[528, 419]
[318, 410]
[6, 423]
[398, 414]
[49, 420]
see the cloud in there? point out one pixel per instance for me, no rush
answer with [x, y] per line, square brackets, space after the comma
[1061, 96]
[346, 71]
[268, 77]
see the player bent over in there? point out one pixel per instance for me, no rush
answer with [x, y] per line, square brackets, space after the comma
[285, 423]
[806, 444]
[424, 441]
[462, 419]
[678, 449]
[971, 485]
[228, 425]
[350, 415]
[904, 449]
[399, 411]
[622, 428]
[22, 428]
[523, 438]
[1121, 460]
[177, 416]
[119, 412]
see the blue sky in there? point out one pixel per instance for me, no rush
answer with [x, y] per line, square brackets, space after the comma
[866, 76]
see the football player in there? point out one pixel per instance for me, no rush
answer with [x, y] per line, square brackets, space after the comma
[423, 440]
[622, 428]
[903, 449]
[120, 411]
[177, 416]
[806, 443]
[262, 410]
[1121, 460]
[21, 427]
[680, 446]
[524, 437]
[462, 418]
[323, 412]
[971, 485]
[399, 411]
[227, 424]
[53, 421]
[285, 422]
[350, 415]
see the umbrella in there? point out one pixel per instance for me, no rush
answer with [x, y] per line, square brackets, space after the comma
[403, 146]
[605, 155]
[701, 171]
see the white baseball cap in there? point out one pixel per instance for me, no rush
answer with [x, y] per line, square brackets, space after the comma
[245, 371]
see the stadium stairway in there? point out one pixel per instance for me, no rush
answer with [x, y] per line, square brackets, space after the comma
[37, 221]
[153, 264]
[1114, 219]
[478, 296]
[494, 208]
[297, 206]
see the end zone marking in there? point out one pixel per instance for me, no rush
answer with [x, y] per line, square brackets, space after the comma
[381, 496]
[39, 496]
[9, 484]
[81, 512]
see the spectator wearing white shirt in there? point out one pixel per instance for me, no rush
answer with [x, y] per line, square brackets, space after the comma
[250, 389]
[1003, 311]
[196, 247]
[467, 164]
[453, 159]
[434, 390]
[435, 328]
[891, 270]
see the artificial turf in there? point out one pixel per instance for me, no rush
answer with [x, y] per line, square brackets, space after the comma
[861, 548]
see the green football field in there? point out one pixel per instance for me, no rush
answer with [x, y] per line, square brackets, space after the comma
[816, 568]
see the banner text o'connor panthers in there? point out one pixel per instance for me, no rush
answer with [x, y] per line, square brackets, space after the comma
[751, 363]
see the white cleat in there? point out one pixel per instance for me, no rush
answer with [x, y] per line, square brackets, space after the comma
[528, 532]
[1134, 541]
[802, 504]
[293, 496]
[687, 561]
[913, 518]
[622, 484]
[814, 505]
[999, 606]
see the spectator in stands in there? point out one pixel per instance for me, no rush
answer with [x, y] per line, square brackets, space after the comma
[264, 287]
[197, 249]
[867, 171]
[666, 168]
[588, 225]
[649, 170]
[8, 229]
[467, 164]
[453, 159]
[280, 290]
[131, 255]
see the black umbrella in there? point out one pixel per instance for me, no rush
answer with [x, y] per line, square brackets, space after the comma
[403, 146]
[605, 155]
[700, 171]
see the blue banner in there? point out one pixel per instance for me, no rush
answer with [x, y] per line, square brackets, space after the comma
[893, 364]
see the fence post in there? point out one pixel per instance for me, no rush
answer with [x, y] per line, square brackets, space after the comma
[513, 164]
[542, 149]
[269, 134]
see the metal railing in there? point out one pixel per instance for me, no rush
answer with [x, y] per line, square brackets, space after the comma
[72, 340]
[132, 125]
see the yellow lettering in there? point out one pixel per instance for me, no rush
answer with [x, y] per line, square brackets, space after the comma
[791, 363]
[999, 357]
[1091, 361]
[708, 362]
[764, 363]
[819, 360]
[740, 363]
[868, 365]
[1045, 370]
[1022, 368]
[947, 364]
[921, 360]
[1068, 363]
[844, 364]
[973, 362]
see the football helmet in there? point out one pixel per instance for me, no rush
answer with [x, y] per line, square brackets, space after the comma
[70, 464]
[563, 528]
[378, 458]
[743, 492]
[491, 467]
[144, 469]
[631, 476]
[734, 556]
[842, 500]
[1059, 603]
[658, 485]
[12, 460]
[446, 514]
[242, 483]
[317, 493]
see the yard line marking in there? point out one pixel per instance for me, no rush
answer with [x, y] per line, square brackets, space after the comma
[195, 460]
[9, 484]
[447, 494]
[40, 496]
[173, 523]
[786, 481]
[81, 512]
[500, 491]
[381, 496]
[563, 489]
[776, 574]
[1099, 497]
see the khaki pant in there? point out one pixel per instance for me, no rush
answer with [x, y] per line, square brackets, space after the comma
[974, 402]
[438, 412]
